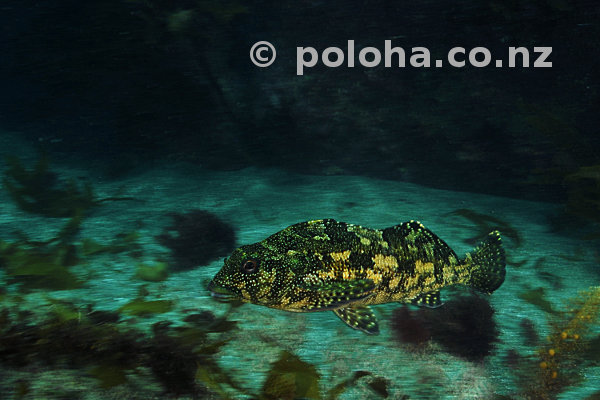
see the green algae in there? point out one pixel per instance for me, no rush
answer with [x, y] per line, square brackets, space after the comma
[142, 308]
[380, 386]
[156, 272]
[291, 378]
[341, 387]
[110, 352]
[37, 268]
[123, 242]
[537, 297]
[594, 350]
[217, 380]
[484, 224]
[207, 321]
[515, 263]
[40, 191]
[109, 375]
[22, 390]
[64, 311]
[43, 264]
[377, 384]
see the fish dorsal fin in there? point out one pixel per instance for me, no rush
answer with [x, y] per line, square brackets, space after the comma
[413, 241]
[330, 295]
[429, 300]
[359, 318]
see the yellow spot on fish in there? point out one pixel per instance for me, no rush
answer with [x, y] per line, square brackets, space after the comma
[411, 282]
[326, 274]
[343, 256]
[423, 268]
[285, 301]
[324, 237]
[266, 280]
[394, 282]
[312, 280]
[385, 262]
[299, 305]
[365, 241]
[374, 276]
[349, 274]
[429, 280]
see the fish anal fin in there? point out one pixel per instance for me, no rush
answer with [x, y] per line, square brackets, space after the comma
[330, 295]
[359, 318]
[429, 300]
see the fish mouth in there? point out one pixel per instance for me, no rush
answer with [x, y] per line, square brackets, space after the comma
[220, 293]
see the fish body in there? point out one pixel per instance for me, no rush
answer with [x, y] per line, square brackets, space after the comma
[329, 265]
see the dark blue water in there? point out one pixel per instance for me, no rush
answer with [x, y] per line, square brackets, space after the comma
[142, 146]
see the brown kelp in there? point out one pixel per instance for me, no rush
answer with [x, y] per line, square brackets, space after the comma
[141, 307]
[537, 297]
[155, 272]
[46, 264]
[290, 377]
[41, 191]
[83, 338]
[43, 264]
[123, 242]
[485, 224]
[561, 360]
[182, 358]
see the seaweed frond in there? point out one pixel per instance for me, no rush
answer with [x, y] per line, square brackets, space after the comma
[484, 224]
[93, 340]
[561, 360]
[291, 378]
[45, 264]
[156, 272]
[123, 242]
[537, 297]
[141, 308]
[40, 191]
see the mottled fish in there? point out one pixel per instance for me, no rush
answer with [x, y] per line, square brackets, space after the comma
[329, 265]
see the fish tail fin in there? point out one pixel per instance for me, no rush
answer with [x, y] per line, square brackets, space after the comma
[488, 263]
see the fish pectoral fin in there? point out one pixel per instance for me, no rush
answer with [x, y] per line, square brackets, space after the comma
[360, 318]
[429, 300]
[330, 295]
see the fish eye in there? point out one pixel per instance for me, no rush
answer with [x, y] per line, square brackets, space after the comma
[250, 266]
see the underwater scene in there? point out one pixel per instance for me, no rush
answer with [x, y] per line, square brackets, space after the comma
[300, 199]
